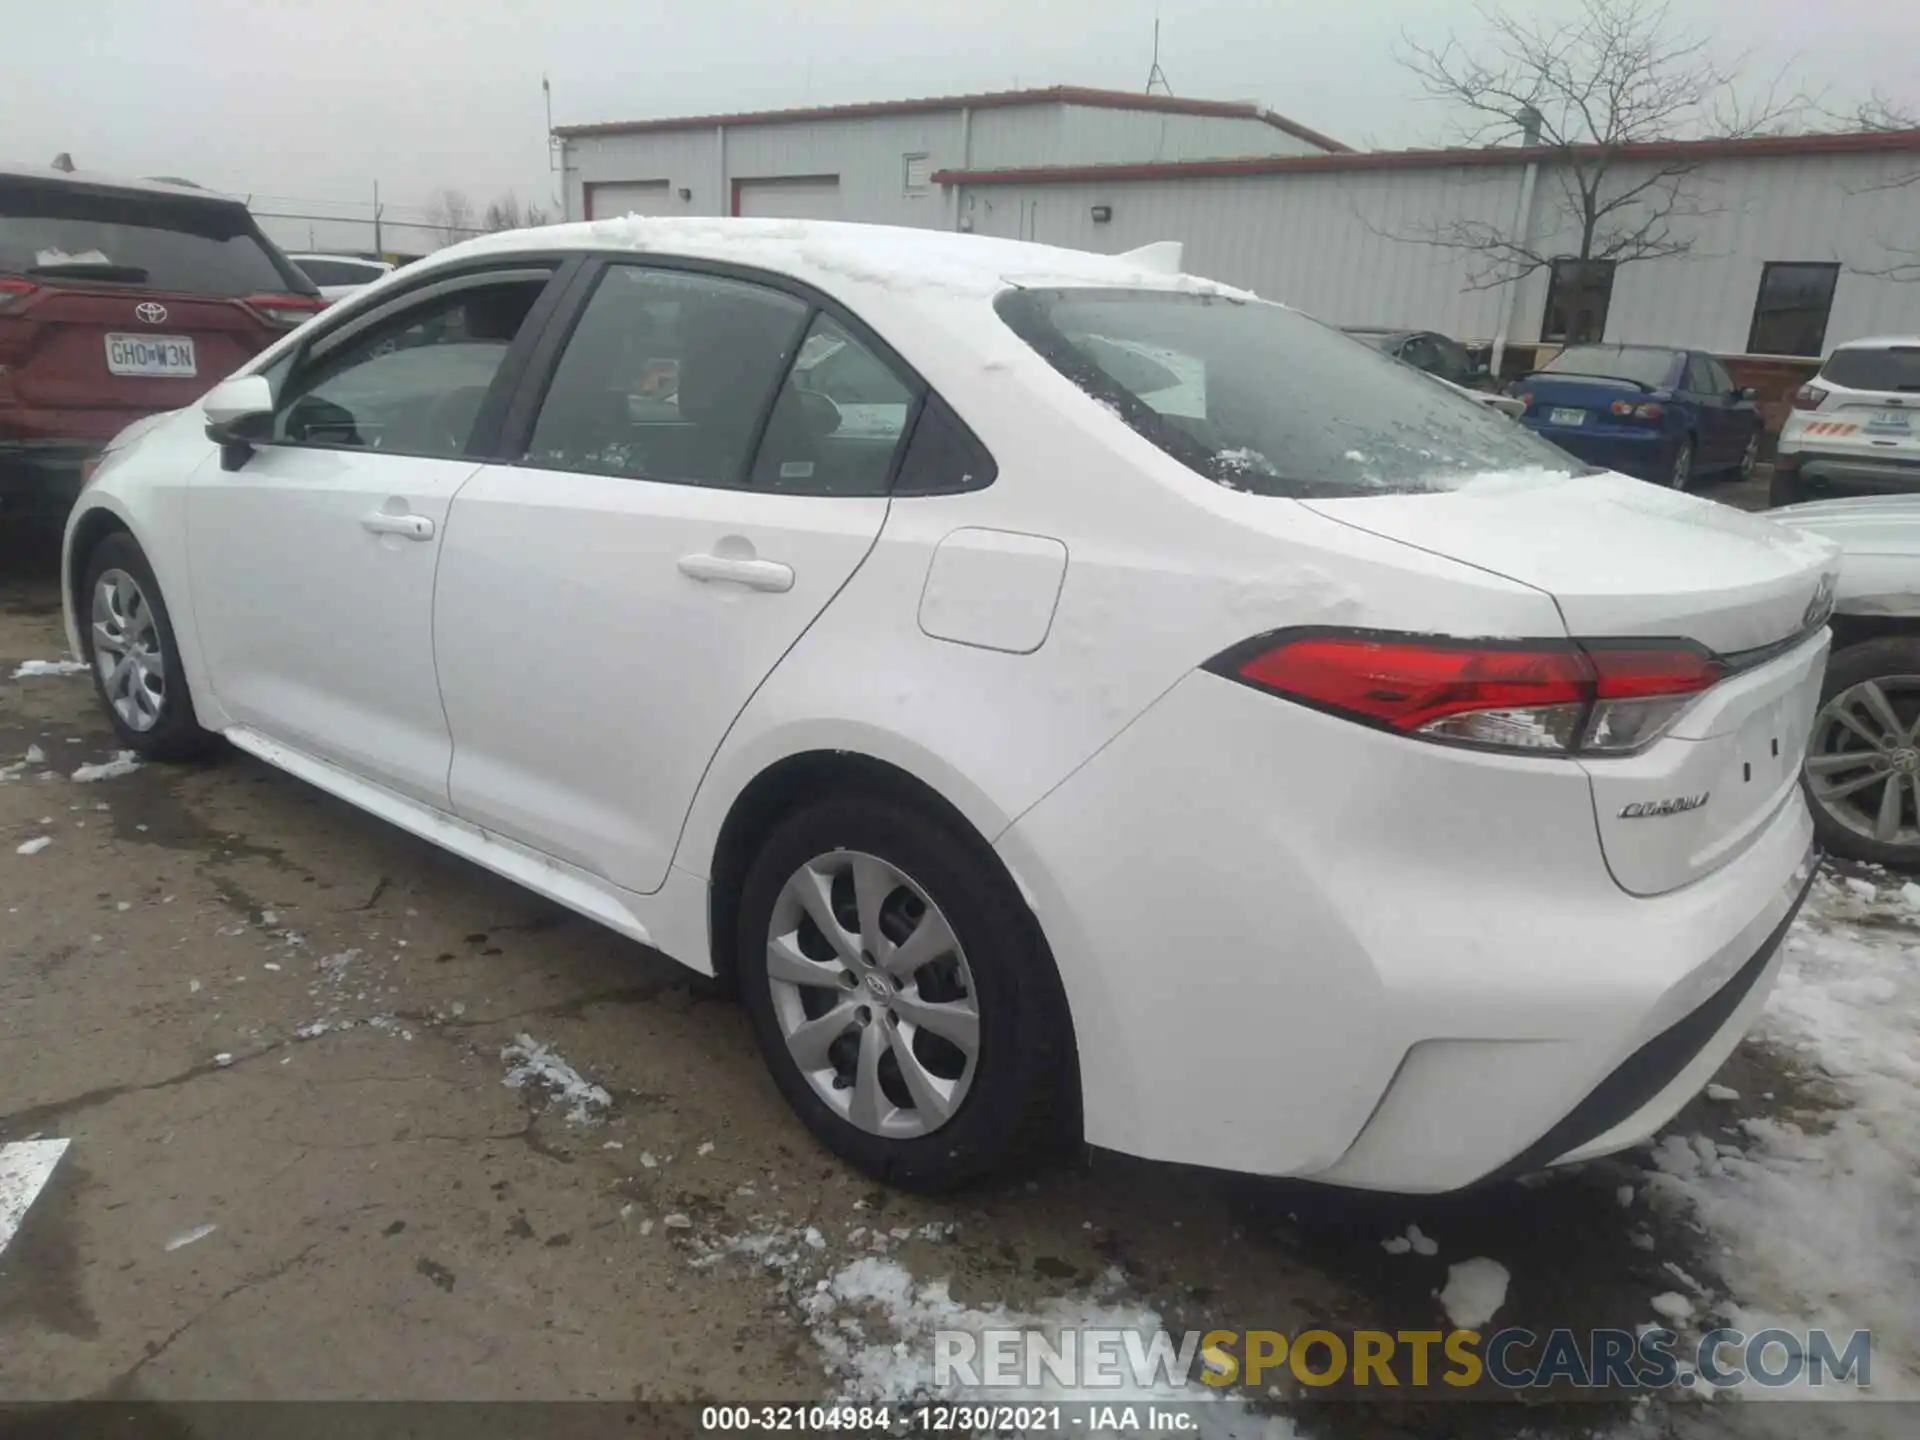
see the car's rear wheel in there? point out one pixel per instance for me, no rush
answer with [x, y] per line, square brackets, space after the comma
[1863, 760]
[1682, 475]
[128, 640]
[902, 997]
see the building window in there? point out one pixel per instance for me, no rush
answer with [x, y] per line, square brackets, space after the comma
[919, 174]
[1577, 298]
[1790, 312]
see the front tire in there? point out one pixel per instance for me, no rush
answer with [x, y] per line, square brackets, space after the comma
[127, 636]
[1862, 772]
[902, 997]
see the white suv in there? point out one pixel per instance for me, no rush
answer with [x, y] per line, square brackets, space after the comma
[1855, 427]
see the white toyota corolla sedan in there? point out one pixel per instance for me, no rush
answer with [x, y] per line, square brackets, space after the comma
[1067, 697]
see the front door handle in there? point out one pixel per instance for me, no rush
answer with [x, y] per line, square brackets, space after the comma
[413, 527]
[754, 574]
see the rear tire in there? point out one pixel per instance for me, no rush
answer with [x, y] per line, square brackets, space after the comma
[1013, 1099]
[126, 636]
[1682, 475]
[1840, 758]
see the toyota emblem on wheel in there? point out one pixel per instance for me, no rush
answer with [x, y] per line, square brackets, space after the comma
[152, 312]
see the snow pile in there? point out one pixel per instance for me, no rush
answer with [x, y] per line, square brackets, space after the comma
[875, 1324]
[534, 1063]
[30, 668]
[124, 763]
[33, 846]
[1818, 1218]
[1475, 1290]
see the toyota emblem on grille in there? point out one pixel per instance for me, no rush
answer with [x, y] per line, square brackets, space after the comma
[1820, 608]
[151, 312]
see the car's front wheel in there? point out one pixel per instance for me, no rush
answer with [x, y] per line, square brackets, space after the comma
[901, 995]
[1863, 760]
[128, 639]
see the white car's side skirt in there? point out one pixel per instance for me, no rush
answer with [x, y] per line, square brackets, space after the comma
[565, 884]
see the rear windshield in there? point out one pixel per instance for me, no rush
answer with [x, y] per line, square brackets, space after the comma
[1262, 398]
[1613, 362]
[1892, 368]
[160, 243]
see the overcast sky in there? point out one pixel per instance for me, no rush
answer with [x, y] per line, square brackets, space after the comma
[306, 103]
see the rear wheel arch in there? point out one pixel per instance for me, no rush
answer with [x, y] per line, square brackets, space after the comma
[795, 781]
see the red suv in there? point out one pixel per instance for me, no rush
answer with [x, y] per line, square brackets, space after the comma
[118, 299]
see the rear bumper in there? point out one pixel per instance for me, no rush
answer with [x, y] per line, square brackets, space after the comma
[1645, 456]
[1308, 948]
[1815, 473]
[42, 476]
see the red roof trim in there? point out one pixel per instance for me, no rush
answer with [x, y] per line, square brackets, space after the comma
[1000, 99]
[1758, 147]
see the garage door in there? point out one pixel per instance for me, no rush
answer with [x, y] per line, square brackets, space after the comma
[810, 197]
[631, 197]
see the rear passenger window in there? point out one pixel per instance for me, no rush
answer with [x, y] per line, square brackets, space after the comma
[666, 377]
[943, 457]
[838, 421]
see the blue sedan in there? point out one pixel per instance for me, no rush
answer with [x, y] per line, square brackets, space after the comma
[1664, 415]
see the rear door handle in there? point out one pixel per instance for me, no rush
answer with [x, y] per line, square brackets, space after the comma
[754, 574]
[413, 527]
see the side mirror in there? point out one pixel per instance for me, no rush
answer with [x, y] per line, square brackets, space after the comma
[1746, 392]
[239, 410]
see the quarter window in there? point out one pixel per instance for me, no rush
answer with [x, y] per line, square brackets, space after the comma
[838, 420]
[413, 385]
[666, 377]
[1790, 312]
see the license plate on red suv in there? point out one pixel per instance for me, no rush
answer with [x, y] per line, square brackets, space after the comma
[168, 355]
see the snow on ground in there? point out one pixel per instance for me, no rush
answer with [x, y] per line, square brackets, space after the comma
[530, 1062]
[1475, 1290]
[874, 1323]
[24, 1170]
[124, 763]
[30, 668]
[1816, 1214]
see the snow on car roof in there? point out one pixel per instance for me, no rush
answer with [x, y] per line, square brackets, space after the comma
[885, 257]
[1879, 342]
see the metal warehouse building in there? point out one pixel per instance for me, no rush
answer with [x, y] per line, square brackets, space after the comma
[1792, 237]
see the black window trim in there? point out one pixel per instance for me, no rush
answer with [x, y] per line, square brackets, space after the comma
[522, 411]
[556, 271]
[1553, 288]
[1760, 293]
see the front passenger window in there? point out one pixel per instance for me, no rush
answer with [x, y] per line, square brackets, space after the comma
[413, 384]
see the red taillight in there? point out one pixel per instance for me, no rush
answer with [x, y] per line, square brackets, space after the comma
[286, 311]
[1809, 397]
[13, 291]
[1627, 408]
[1551, 696]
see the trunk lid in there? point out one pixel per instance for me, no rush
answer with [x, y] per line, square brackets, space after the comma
[63, 347]
[1584, 400]
[1623, 559]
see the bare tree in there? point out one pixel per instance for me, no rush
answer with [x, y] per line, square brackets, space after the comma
[1584, 91]
[1878, 113]
[450, 214]
[507, 213]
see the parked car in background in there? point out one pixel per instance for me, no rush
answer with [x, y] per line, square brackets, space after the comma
[1863, 760]
[120, 299]
[339, 275]
[1666, 415]
[1425, 350]
[979, 646]
[1855, 427]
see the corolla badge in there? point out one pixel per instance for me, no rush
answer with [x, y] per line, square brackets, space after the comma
[1649, 809]
[1820, 607]
[152, 312]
